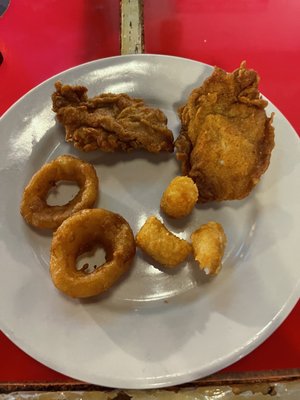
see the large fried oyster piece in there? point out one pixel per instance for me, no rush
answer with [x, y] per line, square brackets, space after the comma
[110, 122]
[226, 138]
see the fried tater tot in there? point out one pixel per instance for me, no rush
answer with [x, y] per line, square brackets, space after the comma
[209, 243]
[180, 197]
[162, 245]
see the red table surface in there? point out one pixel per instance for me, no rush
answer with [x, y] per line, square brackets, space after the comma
[40, 39]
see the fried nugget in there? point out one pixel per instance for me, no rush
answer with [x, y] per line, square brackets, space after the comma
[180, 197]
[110, 122]
[162, 245]
[208, 244]
[226, 138]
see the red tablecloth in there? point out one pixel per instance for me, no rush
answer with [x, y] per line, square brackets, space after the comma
[40, 39]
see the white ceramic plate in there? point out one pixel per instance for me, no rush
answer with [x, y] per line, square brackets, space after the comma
[154, 329]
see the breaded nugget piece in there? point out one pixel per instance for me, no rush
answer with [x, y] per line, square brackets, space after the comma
[209, 243]
[180, 197]
[162, 245]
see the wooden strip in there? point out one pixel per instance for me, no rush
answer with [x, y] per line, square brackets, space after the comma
[132, 27]
[220, 379]
[254, 377]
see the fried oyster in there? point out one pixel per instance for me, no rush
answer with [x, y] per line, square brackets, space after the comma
[110, 122]
[226, 138]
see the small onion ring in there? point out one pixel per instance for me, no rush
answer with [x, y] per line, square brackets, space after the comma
[34, 207]
[82, 232]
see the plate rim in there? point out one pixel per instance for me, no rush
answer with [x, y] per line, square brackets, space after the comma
[123, 56]
[175, 379]
[263, 334]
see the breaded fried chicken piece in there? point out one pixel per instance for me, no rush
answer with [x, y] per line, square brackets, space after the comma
[110, 122]
[226, 138]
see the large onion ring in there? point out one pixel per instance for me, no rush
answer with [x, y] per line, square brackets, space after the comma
[34, 207]
[80, 233]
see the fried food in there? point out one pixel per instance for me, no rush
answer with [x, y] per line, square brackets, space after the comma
[180, 197]
[226, 138]
[162, 245]
[34, 207]
[110, 122]
[209, 243]
[81, 233]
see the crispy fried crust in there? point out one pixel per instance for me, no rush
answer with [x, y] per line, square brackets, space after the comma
[209, 243]
[80, 233]
[162, 245]
[34, 207]
[226, 139]
[110, 122]
[180, 197]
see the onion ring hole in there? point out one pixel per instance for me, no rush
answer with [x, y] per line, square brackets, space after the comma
[62, 193]
[91, 260]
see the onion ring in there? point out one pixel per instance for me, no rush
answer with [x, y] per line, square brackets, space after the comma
[80, 233]
[34, 207]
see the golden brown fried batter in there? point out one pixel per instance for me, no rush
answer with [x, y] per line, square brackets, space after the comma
[226, 139]
[110, 122]
[180, 197]
[34, 207]
[162, 245]
[82, 232]
[209, 243]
